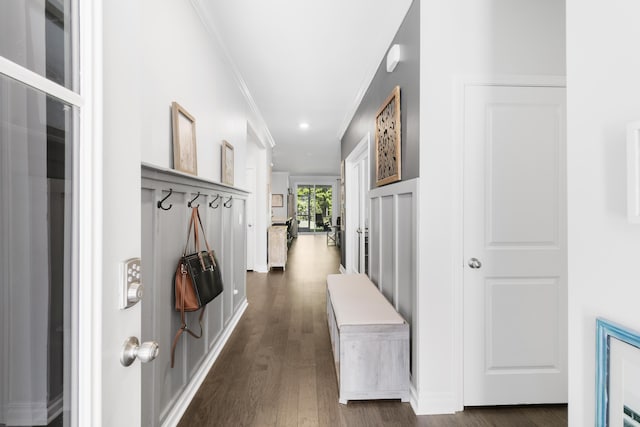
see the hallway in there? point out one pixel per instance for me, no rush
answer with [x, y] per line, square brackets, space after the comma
[277, 368]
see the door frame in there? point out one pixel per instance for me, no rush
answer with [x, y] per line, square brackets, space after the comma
[362, 149]
[84, 394]
[460, 85]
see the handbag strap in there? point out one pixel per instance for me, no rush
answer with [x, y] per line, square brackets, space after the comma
[183, 321]
[195, 213]
[204, 236]
[191, 224]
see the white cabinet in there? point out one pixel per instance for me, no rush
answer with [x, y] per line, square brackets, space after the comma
[277, 246]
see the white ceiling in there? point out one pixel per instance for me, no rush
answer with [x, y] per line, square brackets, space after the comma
[306, 61]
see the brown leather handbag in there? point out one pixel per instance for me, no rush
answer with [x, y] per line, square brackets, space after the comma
[197, 280]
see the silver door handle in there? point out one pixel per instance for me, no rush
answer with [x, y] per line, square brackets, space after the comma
[474, 263]
[132, 349]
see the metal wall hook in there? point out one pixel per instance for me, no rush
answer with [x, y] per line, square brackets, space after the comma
[228, 203]
[193, 200]
[166, 197]
[213, 201]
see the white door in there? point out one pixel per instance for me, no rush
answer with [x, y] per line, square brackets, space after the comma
[118, 228]
[357, 207]
[515, 282]
[251, 218]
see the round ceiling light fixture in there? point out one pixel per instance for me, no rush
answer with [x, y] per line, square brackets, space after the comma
[304, 125]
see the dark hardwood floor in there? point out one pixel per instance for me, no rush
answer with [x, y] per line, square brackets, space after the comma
[277, 368]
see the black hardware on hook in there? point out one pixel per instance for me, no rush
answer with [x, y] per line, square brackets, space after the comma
[213, 201]
[166, 197]
[227, 204]
[193, 200]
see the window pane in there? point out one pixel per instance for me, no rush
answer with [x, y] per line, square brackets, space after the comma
[36, 34]
[35, 278]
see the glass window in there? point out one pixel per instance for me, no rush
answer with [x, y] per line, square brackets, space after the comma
[35, 255]
[314, 207]
[36, 34]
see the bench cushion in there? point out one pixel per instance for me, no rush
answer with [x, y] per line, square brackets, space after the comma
[357, 301]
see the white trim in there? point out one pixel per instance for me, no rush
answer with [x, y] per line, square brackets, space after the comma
[350, 224]
[433, 403]
[183, 400]
[260, 268]
[510, 80]
[460, 83]
[207, 21]
[38, 82]
[86, 395]
[633, 172]
[351, 112]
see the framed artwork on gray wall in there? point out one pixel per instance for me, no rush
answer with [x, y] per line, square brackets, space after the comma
[184, 140]
[388, 140]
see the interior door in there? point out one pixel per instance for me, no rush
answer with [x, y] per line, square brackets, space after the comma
[357, 209]
[515, 281]
[119, 235]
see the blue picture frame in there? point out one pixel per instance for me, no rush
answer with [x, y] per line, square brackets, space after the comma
[604, 331]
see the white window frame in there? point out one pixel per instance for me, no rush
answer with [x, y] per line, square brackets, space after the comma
[86, 52]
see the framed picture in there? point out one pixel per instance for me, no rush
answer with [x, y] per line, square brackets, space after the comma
[227, 163]
[617, 375]
[388, 144]
[277, 200]
[184, 140]
[633, 172]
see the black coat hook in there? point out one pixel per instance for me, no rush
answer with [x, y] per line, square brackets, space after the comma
[213, 201]
[228, 203]
[166, 197]
[193, 200]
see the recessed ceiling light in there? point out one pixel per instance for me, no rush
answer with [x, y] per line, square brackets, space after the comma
[304, 125]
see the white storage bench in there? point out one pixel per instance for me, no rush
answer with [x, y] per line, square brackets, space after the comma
[370, 340]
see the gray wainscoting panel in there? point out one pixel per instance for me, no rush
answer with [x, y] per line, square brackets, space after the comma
[387, 245]
[374, 246]
[393, 240]
[163, 240]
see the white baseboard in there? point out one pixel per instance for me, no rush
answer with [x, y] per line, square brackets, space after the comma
[433, 403]
[32, 413]
[183, 400]
[261, 268]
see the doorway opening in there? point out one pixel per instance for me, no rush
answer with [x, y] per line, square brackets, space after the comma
[314, 208]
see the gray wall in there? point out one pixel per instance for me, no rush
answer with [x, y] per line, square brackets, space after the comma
[407, 76]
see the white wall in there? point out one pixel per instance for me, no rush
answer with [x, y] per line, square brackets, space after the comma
[280, 185]
[462, 38]
[156, 52]
[180, 63]
[604, 279]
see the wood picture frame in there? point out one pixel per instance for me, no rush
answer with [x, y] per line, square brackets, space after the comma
[184, 140]
[617, 375]
[227, 163]
[277, 200]
[388, 140]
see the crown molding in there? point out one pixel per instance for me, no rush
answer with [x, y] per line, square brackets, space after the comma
[208, 23]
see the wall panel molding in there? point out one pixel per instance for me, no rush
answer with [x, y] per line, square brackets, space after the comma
[393, 252]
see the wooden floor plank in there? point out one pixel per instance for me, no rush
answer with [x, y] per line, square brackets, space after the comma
[277, 367]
